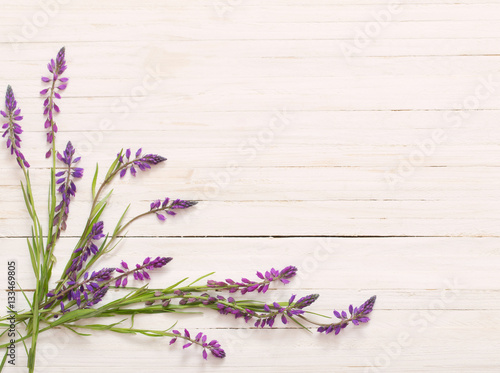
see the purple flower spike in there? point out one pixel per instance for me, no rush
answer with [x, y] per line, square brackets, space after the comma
[56, 68]
[306, 301]
[181, 204]
[12, 128]
[67, 187]
[89, 248]
[248, 286]
[160, 207]
[140, 271]
[201, 339]
[139, 162]
[86, 293]
[357, 316]
[153, 159]
[269, 313]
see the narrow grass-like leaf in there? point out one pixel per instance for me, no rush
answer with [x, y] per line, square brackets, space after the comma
[4, 359]
[119, 224]
[73, 316]
[201, 278]
[318, 314]
[94, 181]
[114, 165]
[24, 343]
[33, 258]
[24, 294]
[298, 323]
[74, 331]
[175, 285]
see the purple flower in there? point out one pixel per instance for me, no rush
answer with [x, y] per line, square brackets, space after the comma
[165, 207]
[89, 249]
[104, 274]
[85, 293]
[201, 339]
[306, 301]
[153, 159]
[138, 162]
[275, 310]
[66, 185]
[140, 272]
[12, 128]
[57, 85]
[266, 316]
[97, 296]
[357, 316]
[262, 286]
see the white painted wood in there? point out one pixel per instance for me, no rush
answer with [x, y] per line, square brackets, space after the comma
[371, 163]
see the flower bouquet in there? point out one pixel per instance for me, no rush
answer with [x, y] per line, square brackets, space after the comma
[76, 300]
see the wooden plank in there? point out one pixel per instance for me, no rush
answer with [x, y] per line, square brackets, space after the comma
[285, 184]
[361, 266]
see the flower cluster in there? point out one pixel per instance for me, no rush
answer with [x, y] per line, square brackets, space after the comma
[140, 271]
[357, 316]
[262, 286]
[12, 128]
[141, 162]
[67, 187]
[90, 248]
[292, 309]
[201, 339]
[305, 301]
[56, 68]
[93, 288]
[266, 315]
[160, 207]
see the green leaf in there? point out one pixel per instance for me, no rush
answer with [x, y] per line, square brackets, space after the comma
[24, 294]
[27, 201]
[113, 167]
[34, 262]
[74, 331]
[4, 359]
[201, 278]
[119, 224]
[298, 323]
[22, 339]
[94, 181]
[73, 316]
[318, 314]
[99, 326]
[99, 207]
[174, 285]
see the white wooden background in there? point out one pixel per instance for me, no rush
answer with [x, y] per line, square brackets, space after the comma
[356, 139]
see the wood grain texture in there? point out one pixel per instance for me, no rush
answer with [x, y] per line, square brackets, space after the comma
[356, 139]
